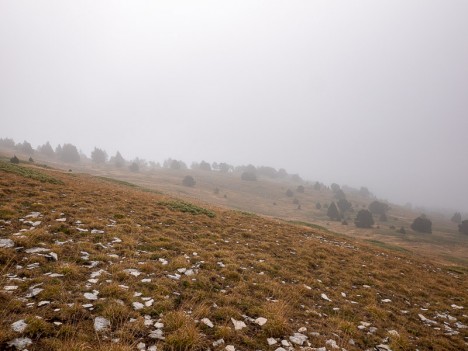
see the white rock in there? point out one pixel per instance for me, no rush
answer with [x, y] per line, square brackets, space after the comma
[20, 343]
[394, 333]
[332, 344]
[91, 296]
[19, 326]
[61, 219]
[138, 305]
[141, 346]
[302, 330]
[386, 300]
[159, 325]
[271, 341]
[36, 250]
[280, 349]
[260, 321]
[149, 303]
[153, 348]
[343, 294]
[325, 297]
[43, 303]
[134, 272]
[157, 334]
[10, 287]
[7, 243]
[88, 305]
[298, 339]
[453, 306]
[97, 231]
[218, 342]
[101, 324]
[207, 322]
[230, 348]
[53, 255]
[146, 280]
[238, 325]
[34, 292]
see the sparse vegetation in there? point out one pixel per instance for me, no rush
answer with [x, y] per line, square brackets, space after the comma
[182, 206]
[422, 224]
[364, 219]
[189, 181]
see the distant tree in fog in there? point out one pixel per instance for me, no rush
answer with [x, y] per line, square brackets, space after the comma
[289, 193]
[317, 186]
[225, 168]
[282, 173]
[69, 153]
[364, 191]
[422, 224]
[117, 160]
[318, 206]
[204, 166]
[7, 142]
[333, 212]
[344, 205]
[25, 148]
[249, 176]
[188, 181]
[463, 227]
[174, 164]
[456, 218]
[46, 150]
[268, 172]
[378, 208]
[98, 156]
[340, 194]
[134, 167]
[364, 219]
[296, 178]
[300, 189]
[335, 187]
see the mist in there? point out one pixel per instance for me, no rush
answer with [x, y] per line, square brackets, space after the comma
[359, 93]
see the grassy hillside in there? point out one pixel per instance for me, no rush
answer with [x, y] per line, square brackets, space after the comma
[90, 263]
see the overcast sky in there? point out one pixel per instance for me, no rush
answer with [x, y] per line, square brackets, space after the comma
[370, 93]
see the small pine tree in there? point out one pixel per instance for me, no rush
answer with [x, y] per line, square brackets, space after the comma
[456, 218]
[463, 227]
[289, 193]
[318, 206]
[134, 167]
[188, 181]
[300, 189]
[333, 213]
[422, 224]
[364, 219]
[14, 160]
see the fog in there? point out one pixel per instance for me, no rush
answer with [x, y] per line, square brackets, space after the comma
[371, 93]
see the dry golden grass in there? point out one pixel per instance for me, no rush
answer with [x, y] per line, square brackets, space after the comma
[243, 265]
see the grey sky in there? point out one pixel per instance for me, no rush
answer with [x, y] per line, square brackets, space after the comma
[368, 93]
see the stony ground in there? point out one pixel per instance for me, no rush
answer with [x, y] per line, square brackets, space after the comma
[91, 264]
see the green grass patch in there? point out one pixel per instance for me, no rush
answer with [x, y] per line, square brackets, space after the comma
[120, 182]
[28, 173]
[182, 206]
[387, 246]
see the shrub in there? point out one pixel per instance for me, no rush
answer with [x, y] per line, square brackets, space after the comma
[46, 150]
[188, 181]
[31, 159]
[69, 153]
[99, 156]
[344, 205]
[401, 230]
[422, 225]
[134, 167]
[300, 189]
[463, 227]
[249, 176]
[289, 193]
[456, 218]
[318, 206]
[333, 213]
[378, 208]
[364, 219]
[14, 160]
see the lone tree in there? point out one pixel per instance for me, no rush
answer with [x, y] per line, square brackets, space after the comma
[69, 153]
[364, 219]
[14, 160]
[463, 227]
[318, 206]
[25, 147]
[118, 160]
[300, 189]
[344, 205]
[134, 167]
[333, 213]
[204, 166]
[456, 218]
[378, 208]
[46, 150]
[250, 176]
[340, 195]
[289, 193]
[188, 181]
[422, 224]
[99, 156]
[364, 191]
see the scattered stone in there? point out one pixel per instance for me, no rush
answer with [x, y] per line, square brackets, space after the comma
[260, 321]
[61, 219]
[19, 326]
[230, 348]
[394, 333]
[218, 342]
[97, 231]
[43, 303]
[207, 322]
[386, 300]
[157, 334]
[101, 324]
[10, 287]
[36, 250]
[138, 305]
[298, 339]
[457, 307]
[141, 346]
[325, 297]
[20, 343]
[238, 325]
[271, 341]
[7, 243]
[332, 344]
[382, 347]
[134, 272]
[91, 296]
